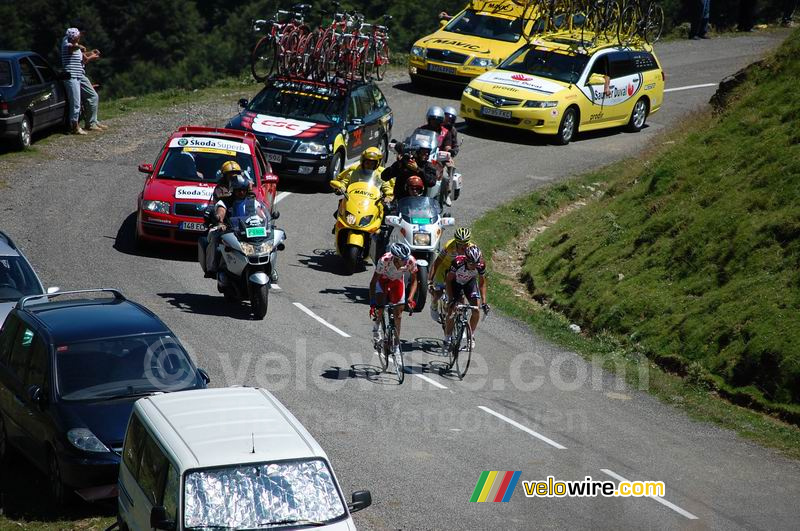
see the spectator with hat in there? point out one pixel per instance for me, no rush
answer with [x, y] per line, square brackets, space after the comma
[74, 57]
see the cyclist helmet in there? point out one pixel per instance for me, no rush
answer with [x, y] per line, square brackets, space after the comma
[400, 250]
[231, 166]
[371, 158]
[450, 114]
[415, 186]
[435, 113]
[473, 254]
[463, 235]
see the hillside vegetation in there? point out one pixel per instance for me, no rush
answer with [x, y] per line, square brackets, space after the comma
[697, 259]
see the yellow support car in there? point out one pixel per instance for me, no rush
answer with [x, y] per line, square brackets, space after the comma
[558, 87]
[473, 41]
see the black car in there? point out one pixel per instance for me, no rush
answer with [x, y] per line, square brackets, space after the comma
[32, 96]
[310, 129]
[70, 371]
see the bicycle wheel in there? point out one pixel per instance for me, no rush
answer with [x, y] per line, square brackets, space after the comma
[463, 359]
[455, 343]
[654, 24]
[611, 21]
[628, 21]
[369, 58]
[382, 61]
[383, 352]
[262, 59]
[399, 368]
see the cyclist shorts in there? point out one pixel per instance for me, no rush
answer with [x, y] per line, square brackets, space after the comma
[395, 290]
[469, 290]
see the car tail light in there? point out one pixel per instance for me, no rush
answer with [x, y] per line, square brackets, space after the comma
[3, 107]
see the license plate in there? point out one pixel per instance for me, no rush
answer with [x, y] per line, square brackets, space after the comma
[274, 157]
[188, 225]
[489, 111]
[256, 232]
[442, 69]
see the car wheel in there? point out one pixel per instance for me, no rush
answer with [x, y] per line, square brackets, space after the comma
[24, 135]
[337, 165]
[638, 116]
[58, 492]
[569, 124]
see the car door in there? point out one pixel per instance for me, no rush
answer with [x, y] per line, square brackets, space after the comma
[626, 82]
[16, 409]
[33, 94]
[150, 482]
[56, 100]
[355, 125]
[594, 113]
[35, 422]
[371, 118]
[8, 335]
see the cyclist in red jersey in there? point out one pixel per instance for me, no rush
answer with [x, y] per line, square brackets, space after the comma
[388, 285]
[466, 278]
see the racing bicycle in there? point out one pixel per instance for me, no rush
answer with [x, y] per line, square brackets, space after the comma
[389, 343]
[461, 331]
[642, 18]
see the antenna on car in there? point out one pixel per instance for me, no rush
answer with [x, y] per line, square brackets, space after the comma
[253, 435]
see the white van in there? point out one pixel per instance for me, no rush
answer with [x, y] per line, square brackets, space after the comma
[231, 458]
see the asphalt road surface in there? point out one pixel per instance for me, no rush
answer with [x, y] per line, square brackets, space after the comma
[420, 447]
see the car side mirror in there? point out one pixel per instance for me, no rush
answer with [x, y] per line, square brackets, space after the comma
[393, 221]
[159, 520]
[443, 22]
[361, 500]
[53, 289]
[276, 214]
[270, 178]
[146, 168]
[203, 375]
[596, 79]
[243, 103]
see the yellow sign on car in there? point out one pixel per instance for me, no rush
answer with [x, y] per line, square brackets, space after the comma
[558, 87]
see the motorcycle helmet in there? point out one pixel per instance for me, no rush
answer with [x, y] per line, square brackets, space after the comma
[450, 114]
[240, 184]
[371, 158]
[435, 113]
[463, 235]
[473, 254]
[414, 186]
[230, 166]
[400, 250]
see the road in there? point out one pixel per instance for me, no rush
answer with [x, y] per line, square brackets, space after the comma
[420, 447]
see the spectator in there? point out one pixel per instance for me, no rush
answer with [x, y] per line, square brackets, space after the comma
[788, 10]
[747, 10]
[74, 57]
[701, 14]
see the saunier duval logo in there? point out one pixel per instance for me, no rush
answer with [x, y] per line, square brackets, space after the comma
[494, 486]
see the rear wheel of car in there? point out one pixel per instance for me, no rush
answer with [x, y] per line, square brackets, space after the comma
[25, 133]
[638, 116]
[569, 124]
[337, 165]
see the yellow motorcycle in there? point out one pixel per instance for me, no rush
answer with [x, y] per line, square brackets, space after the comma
[358, 222]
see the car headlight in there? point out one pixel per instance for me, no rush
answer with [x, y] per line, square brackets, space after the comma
[312, 148]
[541, 104]
[469, 91]
[418, 51]
[350, 219]
[366, 220]
[162, 207]
[483, 62]
[423, 239]
[84, 439]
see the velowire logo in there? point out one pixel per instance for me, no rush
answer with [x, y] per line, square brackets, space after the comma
[494, 486]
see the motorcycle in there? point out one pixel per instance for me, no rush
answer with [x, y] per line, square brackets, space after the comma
[419, 223]
[358, 222]
[249, 247]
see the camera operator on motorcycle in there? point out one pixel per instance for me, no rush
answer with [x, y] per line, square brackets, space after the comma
[413, 161]
[457, 246]
[465, 278]
[450, 117]
[388, 282]
[230, 169]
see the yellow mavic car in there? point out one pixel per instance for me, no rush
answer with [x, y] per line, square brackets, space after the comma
[557, 87]
[475, 40]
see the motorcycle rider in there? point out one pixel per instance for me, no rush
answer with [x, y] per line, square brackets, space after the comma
[369, 169]
[388, 282]
[457, 246]
[434, 121]
[466, 277]
[413, 161]
[230, 169]
[450, 117]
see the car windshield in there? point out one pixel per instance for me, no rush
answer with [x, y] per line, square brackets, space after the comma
[17, 279]
[124, 366]
[418, 210]
[489, 27]
[201, 164]
[544, 63]
[5, 74]
[294, 102]
[257, 495]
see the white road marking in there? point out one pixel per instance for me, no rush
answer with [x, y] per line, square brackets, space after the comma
[321, 320]
[659, 499]
[690, 87]
[523, 428]
[275, 286]
[430, 381]
[281, 196]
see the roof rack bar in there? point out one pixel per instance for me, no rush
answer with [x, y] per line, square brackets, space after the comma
[24, 300]
[8, 240]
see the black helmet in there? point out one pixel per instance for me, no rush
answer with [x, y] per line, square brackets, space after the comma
[239, 182]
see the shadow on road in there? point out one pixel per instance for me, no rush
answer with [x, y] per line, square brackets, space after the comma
[354, 294]
[441, 90]
[203, 304]
[527, 138]
[24, 497]
[125, 243]
[325, 260]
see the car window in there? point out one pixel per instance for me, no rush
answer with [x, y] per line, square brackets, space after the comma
[600, 66]
[17, 279]
[200, 164]
[380, 100]
[7, 336]
[37, 366]
[565, 67]
[44, 69]
[355, 108]
[6, 79]
[21, 350]
[29, 75]
[300, 102]
[152, 471]
[367, 102]
[499, 28]
[171, 493]
[132, 451]
[620, 65]
[643, 61]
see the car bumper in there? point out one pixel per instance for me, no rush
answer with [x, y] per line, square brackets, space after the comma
[161, 228]
[9, 126]
[298, 165]
[443, 72]
[91, 477]
[542, 121]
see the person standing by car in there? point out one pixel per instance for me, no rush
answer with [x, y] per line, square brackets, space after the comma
[74, 57]
[701, 14]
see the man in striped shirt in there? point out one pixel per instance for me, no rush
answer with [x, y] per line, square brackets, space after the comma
[73, 57]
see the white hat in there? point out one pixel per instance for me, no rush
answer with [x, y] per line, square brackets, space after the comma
[72, 33]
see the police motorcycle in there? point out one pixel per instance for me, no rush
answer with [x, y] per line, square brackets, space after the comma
[420, 224]
[249, 248]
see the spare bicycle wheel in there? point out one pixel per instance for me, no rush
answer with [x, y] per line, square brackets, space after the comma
[262, 59]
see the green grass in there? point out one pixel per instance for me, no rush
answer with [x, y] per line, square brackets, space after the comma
[705, 232]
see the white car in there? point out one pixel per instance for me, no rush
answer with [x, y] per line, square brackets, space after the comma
[232, 458]
[17, 278]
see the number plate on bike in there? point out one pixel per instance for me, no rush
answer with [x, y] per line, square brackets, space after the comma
[274, 157]
[256, 232]
[188, 225]
[442, 69]
[497, 113]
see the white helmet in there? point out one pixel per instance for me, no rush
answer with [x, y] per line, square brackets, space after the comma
[434, 111]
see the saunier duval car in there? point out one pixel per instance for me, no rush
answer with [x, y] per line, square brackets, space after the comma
[472, 42]
[309, 129]
[556, 87]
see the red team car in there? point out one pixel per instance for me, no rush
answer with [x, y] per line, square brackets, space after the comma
[180, 184]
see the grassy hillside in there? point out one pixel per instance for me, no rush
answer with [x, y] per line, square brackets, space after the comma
[697, 259]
